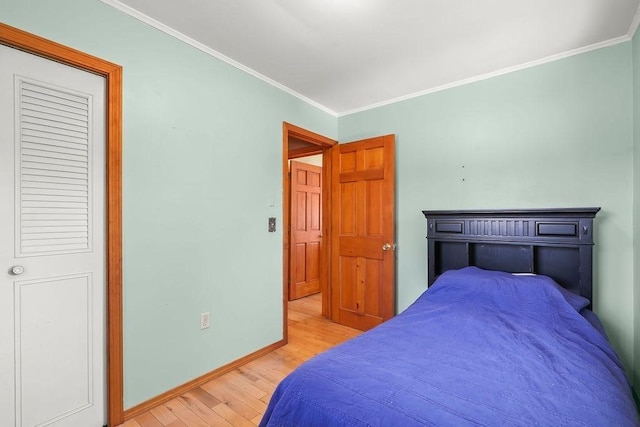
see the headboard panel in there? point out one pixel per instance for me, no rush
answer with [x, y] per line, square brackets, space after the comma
[555, 242]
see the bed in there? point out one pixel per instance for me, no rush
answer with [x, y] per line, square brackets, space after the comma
[504, 335]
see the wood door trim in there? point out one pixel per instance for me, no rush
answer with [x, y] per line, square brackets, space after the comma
[323, 143]
[112, 73]
[304, 152]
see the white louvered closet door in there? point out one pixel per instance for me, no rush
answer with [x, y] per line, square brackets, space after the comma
[52, 283]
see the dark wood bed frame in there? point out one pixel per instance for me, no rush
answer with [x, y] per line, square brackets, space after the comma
[555, 242]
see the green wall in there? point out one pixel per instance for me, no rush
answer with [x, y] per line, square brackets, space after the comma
[556, 135]
[202, 154]
[636, 204]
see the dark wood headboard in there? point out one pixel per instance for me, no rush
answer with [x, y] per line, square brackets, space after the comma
[555, 242]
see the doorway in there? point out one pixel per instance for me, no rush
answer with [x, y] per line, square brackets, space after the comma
[298, 143]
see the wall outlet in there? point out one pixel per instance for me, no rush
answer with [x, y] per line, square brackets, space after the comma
[204, 320]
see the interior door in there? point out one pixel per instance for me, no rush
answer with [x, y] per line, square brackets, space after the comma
[363, 232]
[306, 230]
[52, 283]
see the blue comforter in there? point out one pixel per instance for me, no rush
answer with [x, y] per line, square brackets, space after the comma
[477, 348]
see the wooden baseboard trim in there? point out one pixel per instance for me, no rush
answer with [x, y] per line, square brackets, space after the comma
[181, 389]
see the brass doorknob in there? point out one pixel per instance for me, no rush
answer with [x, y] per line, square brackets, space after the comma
[386, 246]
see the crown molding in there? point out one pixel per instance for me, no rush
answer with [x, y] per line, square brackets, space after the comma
[634, 24]
[552, 58]
[196, 44]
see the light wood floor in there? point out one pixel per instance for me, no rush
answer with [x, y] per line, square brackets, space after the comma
[240, 397]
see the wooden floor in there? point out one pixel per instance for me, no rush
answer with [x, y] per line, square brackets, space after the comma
[240, 397]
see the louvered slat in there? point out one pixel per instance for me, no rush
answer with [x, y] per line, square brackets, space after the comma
[47, 154]
[43, 180]
[70, 113]
[51, 191]
[46, 114]
[55, 173]
[52, 186]
[54, 142]
[55, 217]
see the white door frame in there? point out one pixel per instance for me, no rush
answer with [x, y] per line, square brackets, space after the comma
[112, 73]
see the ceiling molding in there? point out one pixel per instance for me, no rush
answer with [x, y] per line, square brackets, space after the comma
[196, 44]
[634, 24]
[492, 74]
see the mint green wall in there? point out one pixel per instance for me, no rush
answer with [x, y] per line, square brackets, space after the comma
[559, 134]
[636, 204]
[202, 159]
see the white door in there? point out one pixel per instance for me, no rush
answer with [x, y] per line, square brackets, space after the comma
[52, 278]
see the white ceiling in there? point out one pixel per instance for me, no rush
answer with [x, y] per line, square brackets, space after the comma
[349, 55]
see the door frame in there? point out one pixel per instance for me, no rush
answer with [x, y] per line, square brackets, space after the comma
[15, 38]
[321, 144]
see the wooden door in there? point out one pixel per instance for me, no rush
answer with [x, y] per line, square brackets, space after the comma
[363, 232]
[306, 230]
[52, 222]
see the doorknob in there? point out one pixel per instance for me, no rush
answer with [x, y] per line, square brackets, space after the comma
[17, 270]
[386, 247]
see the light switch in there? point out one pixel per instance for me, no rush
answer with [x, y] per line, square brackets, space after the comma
[272, 224]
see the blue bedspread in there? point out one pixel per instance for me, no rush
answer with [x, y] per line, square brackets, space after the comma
[477, 348]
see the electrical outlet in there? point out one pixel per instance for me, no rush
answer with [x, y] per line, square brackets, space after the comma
[204, 320]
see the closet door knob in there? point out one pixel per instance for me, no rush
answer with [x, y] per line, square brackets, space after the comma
[17, 270]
